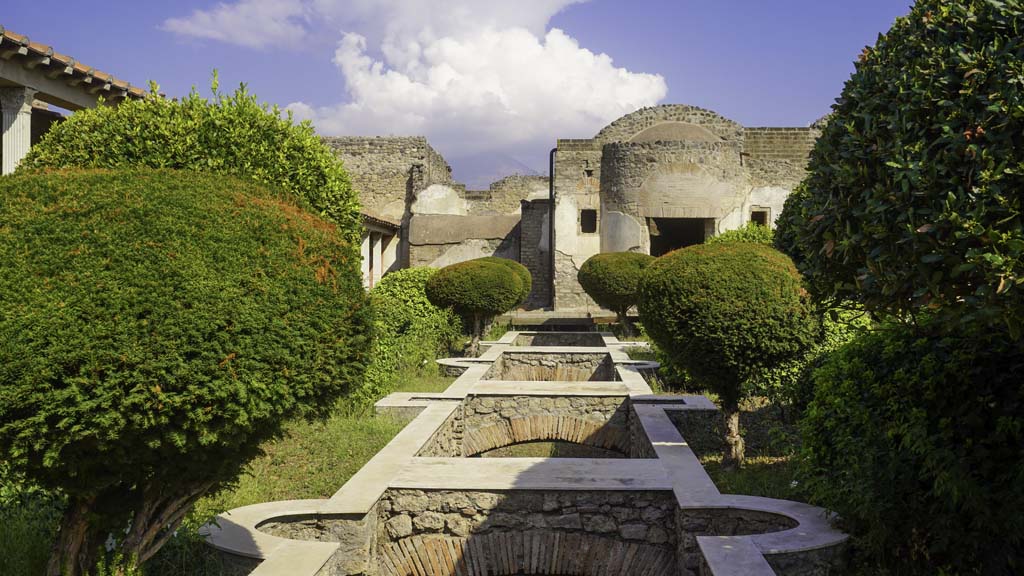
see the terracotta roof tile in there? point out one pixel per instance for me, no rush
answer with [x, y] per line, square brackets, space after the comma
[37, 49]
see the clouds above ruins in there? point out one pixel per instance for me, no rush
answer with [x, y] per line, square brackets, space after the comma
[472, 76]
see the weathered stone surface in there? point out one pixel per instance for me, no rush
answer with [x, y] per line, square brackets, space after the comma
[431, 521]
[459, 526]
[567, 522]
[598, 523]
[410, 503]
[399, 526]
[633, 531]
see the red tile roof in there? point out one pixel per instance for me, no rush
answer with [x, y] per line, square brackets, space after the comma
[14, 45]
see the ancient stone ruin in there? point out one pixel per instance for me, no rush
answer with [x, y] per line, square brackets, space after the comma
[634, 500]
[652, 181]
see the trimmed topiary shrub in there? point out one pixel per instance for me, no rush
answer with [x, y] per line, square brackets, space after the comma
[410, 331]
[913, 201]
[477, 290]
[724, 313]
[231, 134]
[752, 232]
[522, 271]
[612, 280]
[917, 441]
[157, 326]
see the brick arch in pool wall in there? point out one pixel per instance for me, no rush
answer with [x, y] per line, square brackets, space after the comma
[530, 552]
[541, 428]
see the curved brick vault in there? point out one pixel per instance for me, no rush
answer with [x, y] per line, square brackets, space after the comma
[532, 552]
[541, 428]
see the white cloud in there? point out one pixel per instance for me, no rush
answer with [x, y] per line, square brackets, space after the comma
[473, 76]
[250, 23]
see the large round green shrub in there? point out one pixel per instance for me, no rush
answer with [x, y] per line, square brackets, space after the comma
[612, 280]
[913, 200]
[476, 290]
[156, 327]
[522, 271]
[410, 331]
[917, 441]
[231, 134]
[725, 313]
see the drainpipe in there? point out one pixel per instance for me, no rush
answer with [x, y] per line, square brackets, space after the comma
[551, 219]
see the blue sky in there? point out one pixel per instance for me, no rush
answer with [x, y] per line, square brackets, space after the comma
[494, 78]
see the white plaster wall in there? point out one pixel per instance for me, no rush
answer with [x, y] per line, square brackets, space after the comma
[623, 233]
[565, 225]
[772, 198]
[440, 199]
[769, 196]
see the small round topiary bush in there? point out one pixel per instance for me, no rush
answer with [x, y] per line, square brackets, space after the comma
[752, 232]
[476, 290]
[157, 326]
[522, 271]
[917, 441]
[725, 313]
[913, 200]
[230, 134]
[612, 280]
[410, 331]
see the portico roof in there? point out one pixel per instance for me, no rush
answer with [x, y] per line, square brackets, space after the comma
[57, 78]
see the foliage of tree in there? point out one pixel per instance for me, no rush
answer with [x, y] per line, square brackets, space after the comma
[410, 331]
[725, 313]
[790, 384]
[752, 232]
[612, 280]
[230, 133]
[477, 291]
[917, 441]
[156, 327]
[913, 201]
[522, 271]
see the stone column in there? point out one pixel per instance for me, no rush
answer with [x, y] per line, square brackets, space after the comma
[376, 259]
[389, 253]
[364, 252]
[16, 108]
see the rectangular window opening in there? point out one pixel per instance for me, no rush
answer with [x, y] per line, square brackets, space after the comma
[759, 217]
[588, 221]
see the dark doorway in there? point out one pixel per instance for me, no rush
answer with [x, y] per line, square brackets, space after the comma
[668, 234]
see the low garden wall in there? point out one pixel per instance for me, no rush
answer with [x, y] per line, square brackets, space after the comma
[424, 506]
[554, 367]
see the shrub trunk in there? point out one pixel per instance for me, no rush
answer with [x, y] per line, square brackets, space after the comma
[627, 327]
[70, 553]
[474, 343]
[154, 521]
[734, 446]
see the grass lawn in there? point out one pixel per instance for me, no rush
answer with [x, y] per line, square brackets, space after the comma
[312, 460]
